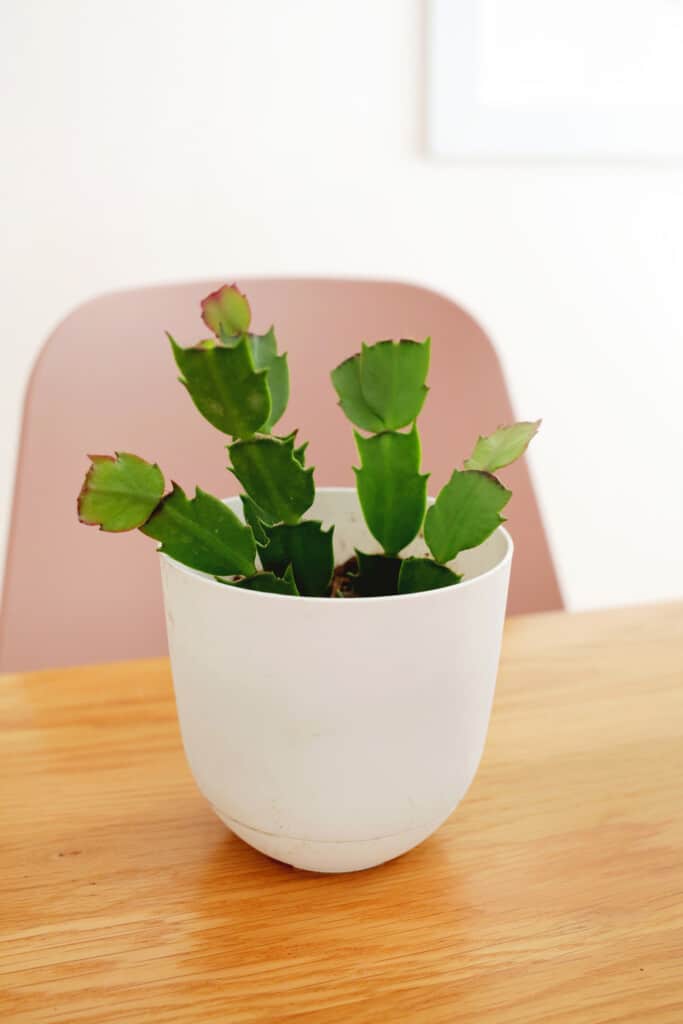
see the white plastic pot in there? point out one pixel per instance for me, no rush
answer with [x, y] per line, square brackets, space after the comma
[335, 734]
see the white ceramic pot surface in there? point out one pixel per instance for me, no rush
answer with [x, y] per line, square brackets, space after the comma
[336, 734]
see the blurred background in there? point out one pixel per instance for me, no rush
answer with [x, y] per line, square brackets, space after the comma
[149, 141]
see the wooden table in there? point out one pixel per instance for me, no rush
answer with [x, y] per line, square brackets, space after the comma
[552, 896]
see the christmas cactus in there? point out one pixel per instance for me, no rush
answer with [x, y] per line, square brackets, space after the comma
[240, 383]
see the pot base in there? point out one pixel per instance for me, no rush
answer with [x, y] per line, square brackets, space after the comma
[330, 857]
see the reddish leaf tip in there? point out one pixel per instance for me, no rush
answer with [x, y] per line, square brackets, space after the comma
[215, 298]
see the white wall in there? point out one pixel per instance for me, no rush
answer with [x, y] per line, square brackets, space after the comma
[154, 140]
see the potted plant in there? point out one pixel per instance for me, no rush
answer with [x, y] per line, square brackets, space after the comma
[334, 652]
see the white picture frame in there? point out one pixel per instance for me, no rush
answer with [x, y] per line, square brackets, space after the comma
[540, 78]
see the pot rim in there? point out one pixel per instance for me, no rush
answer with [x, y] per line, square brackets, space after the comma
[209, 580]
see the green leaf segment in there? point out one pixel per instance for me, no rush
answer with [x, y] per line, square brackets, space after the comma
[391, 489]
[465, 513]
[382, 390]
[269, 583]
[119, 493]
[422, 574]
[226, 310]
[240, 383]
[502, 447]
[377, 575]
[264, 353]
[225, 385]
[256, 518]
[203, 533]
[125, 493]
[237, 380]
[383, 387]
[307, 549]
[273, 478]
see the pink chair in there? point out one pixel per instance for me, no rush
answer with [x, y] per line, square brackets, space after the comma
[105, 381]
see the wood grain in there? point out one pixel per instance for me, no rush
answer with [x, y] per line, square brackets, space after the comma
[552, 895]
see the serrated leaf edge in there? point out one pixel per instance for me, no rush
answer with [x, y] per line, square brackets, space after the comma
[85, 489]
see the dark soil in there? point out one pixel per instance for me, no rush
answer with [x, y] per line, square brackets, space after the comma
[343, 579]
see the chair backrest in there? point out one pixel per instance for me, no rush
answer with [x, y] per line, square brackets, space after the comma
[105, 381]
